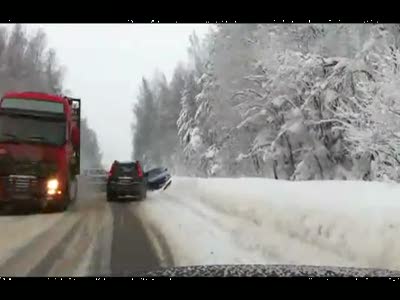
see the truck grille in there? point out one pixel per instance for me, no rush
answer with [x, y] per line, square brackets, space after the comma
[28, 168]
[22, 184]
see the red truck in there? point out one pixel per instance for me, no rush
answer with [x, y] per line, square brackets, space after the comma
[39, 151]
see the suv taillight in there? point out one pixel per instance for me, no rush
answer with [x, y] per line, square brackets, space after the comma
[112, 170]
[139, 169]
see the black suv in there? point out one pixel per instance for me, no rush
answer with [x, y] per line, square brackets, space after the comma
[126, 180]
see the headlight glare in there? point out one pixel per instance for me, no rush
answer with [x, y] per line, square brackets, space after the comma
[52, 184]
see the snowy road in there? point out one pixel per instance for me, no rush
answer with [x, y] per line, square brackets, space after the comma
[93, 238]
[210, 221]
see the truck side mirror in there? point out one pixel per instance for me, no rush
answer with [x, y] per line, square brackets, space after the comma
[75, 137]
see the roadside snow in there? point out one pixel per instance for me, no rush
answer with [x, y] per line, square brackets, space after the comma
[191, 237]
[218, 221]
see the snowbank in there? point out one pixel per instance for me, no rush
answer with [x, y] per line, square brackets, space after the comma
[192, 238]
[266, 221]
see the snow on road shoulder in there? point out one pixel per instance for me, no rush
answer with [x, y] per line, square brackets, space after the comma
[357, 220]
[191, 238]
[197, 234]
[268, 221]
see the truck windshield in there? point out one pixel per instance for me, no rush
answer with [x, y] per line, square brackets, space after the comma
[20, 129]
[30, 104]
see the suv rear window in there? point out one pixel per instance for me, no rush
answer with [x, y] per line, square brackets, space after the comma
[126, 169]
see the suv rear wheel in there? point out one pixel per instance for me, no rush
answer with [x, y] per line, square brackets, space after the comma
[142, 196]
[110, 197]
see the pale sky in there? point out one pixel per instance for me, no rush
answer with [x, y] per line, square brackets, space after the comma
[104, 66]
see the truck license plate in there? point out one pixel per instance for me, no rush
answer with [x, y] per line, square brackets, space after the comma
[21, 196]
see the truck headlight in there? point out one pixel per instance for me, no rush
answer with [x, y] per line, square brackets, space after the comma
[52, 185]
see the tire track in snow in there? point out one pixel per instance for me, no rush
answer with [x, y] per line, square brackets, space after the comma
[157, 239]
[44, 267]
[75, 255]
[26, 259]
[18, 231]
[100, 265]
[65, 247]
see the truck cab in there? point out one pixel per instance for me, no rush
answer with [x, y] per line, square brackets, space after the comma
[39, 150]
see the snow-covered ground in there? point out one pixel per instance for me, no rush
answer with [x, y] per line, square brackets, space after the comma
[218, 221]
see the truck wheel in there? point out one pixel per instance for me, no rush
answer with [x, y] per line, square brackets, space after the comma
[56, 207]
[72, 191]
[110, 197]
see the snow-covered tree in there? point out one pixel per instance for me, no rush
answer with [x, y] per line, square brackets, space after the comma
[189, 140]
[145, 126]
[90, 151]
[170, 109]
[370, 120]
[299, 102]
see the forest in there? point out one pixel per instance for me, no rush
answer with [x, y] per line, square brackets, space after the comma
[282, 101]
